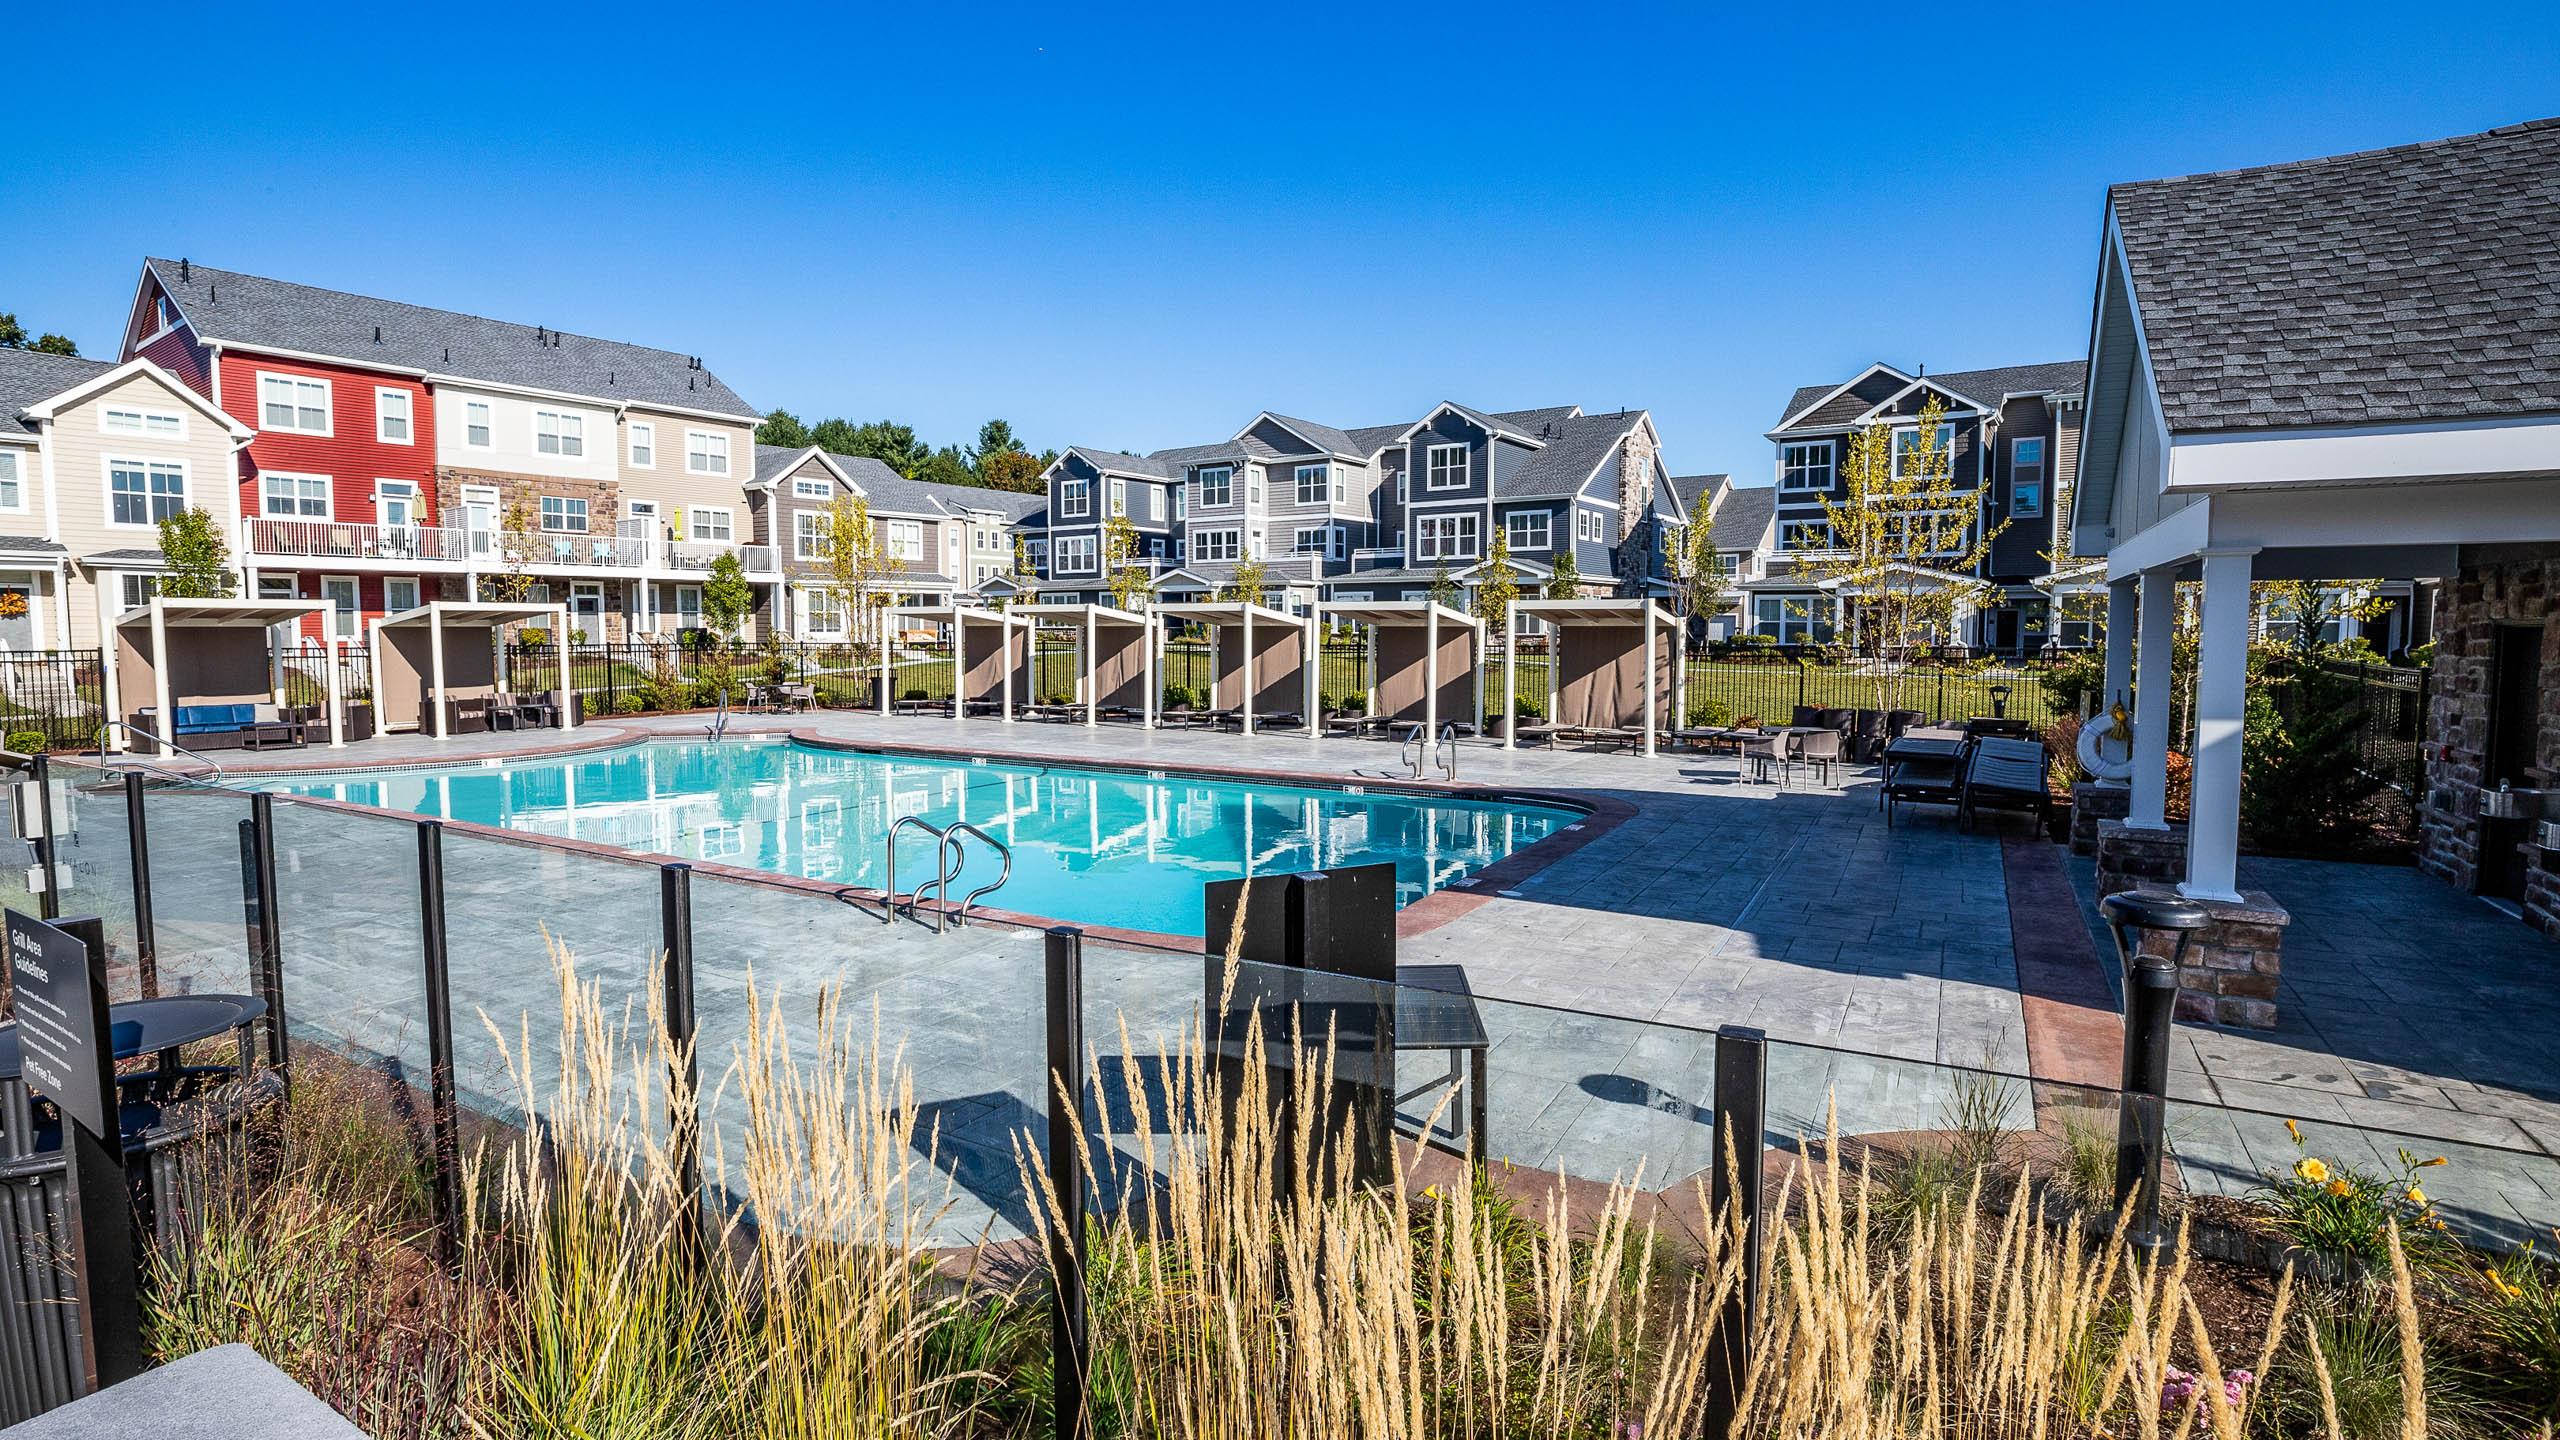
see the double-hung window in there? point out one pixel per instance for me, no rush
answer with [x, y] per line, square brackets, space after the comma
[564, 514]
[556, 433]
[475, 424]
[644, 445]
[1216, 545]
[1311, 540]
[809, 535]
[1805, 535]
[293, 497]
[1181, 497]
[293, 403]
[1448, 468]
[399, 594]
[1908, 451]
[1217, 486]
[135, 420]
[1527, 529]
[1075, 499]
[1445, 537]
[1805, 465]
[145, 492]
[1253, 484]
[1119, 497]
[825, 615]
[1037, 552]
[709, 522]
[13, 494]
[1078, 555]
[1311, 485]
[706, 453]
[2026, 477]
[391, 416]
[906, 540]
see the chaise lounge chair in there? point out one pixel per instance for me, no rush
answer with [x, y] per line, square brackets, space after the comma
[2004, 773]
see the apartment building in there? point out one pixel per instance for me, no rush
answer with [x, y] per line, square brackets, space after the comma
[2012, 435]
[1377, 512]
[946, 540]
[402, 453]
[93, 455]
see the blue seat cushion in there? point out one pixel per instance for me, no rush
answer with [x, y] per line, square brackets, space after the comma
[206, 719]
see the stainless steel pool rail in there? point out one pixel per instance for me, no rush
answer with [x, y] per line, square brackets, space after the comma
[1419, 747]
[949, 858]
[166, 745]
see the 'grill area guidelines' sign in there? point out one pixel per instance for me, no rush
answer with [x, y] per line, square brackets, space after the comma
[60, 1035]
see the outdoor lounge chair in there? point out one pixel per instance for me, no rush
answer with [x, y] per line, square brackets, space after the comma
[2002, 773]
[1932, 779]
[1536, 732]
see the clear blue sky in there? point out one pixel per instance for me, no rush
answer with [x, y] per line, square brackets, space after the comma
[1137, 227]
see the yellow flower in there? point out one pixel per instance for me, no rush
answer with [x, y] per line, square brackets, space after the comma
[2417, 1197]
[2429, 1164]
[2340, 1187]
[2310, 1168]
[2296, 1131]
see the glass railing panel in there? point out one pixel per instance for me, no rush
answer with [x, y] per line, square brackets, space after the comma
[193, 838]
[960, 1014]
[348, 929]
[93, 864]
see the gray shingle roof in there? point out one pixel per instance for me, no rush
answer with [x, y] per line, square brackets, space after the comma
[1119, 463]
[1743, 515]
[1573, 448]
[31, 377]
[1335, 442]
[1986, 386]
[775, 461]
[32, 545]
[2420, 282]
[254, 310]
[1688, 486]
[128, 555]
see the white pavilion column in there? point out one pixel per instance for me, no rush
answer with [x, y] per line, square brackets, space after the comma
[2121, 601]
[1004, 657]
[167, 717]
[2222, 696]
[568, 679]
[435, 667]
[1510, 674]
[337, 698]
[1092, 691]
[110, 648]
[1246, 671]
[1311, 671]
[1430, 671]
[1650, 684]
[880, 616]
[2156, 627]
[1147, 651]
[373, 663]
[1475, 671]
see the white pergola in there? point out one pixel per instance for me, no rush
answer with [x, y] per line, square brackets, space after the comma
[1090, 622]
[1245, 616]
[1565, 615]
[438, 616]
[146, 631]
[1006, 624]
[1430, 617]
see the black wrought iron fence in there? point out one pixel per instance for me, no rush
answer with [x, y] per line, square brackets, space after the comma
[60, 694]
[2391, 700]
[305, 667]
[631, 677]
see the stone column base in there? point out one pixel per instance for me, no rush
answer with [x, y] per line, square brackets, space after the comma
[2093, 801]
[2128, 857]
[2229, 974]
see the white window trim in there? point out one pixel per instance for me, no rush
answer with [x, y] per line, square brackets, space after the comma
[1946, 447]
[1440, 548]
[24, 461]
[631, 446]
[824, 489]
[1324, 484]
[409, 419]
[107, 489]
[1830, 463]
[1119, 498]
[1075, 499]
[328, 407]
[541, 516]
[1515, 528]
[2044, 474]
[1298, 539]
[560, 436]
[1227, 482]
[808, 539]
[1079, 555]
[1231, 550]
[488, 428]
[416, 498]
[328, 491]
[1431, 471]
[708, 454]
[693, 526]
[352, 618]
[148, 415]
[417, 588]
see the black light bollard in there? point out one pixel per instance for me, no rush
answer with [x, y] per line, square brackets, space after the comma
[1741, 1125]
[1070, 1339]
[2150, 1013]
[442, 1114]
[684, 1093]
[146, 937]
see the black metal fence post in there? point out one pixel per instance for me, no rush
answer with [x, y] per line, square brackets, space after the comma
[684, 1098]
[49, 904]
[146, 938]
[258, 855]
[1070, 1340]
[1741, 1125]
[442, 1115]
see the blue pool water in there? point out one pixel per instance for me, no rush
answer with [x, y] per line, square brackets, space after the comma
[1091, 846]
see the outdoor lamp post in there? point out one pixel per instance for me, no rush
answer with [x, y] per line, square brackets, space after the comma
[1999, 702]
[2150, 1005]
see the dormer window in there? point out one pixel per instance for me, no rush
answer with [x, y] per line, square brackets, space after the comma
[1075, 499]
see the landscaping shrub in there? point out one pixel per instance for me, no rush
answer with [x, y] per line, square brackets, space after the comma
[533, 637]
[1709, 713]
[2304, 785]
[1177, 697]
[2072, 684]
[28, 742]
[915, 693]
[1528, 709]
[2333, 1209]
[2515, 1309]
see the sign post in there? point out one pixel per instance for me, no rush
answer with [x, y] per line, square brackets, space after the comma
[67, 1052]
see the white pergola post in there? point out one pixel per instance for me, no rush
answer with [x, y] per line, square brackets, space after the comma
[1311, 671]
[1004, 657]
[2121, 602]
[1475, 669]
[373, 663]
[1510, 673]
[887, 664]
[1651, 685]
[1679, 630]
[109, 646]
[2222, 697]
[568, 681]
[1147, 637]
[167, 717]
[2156, 624]
[1092, 691]
[1369, 669]
[1245, 672]
[337, 698]
[1430, 669]
[435, 665]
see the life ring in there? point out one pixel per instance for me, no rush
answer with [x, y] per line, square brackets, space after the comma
[2106, 750]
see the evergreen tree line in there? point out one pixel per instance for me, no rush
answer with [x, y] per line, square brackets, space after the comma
[998, 461]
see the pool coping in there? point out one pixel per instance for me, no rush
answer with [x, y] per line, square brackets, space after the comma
[1600, 815]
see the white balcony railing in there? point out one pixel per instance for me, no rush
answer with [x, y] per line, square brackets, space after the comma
[409, 544]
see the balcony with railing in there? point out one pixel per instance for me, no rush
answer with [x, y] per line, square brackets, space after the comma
[329, 540]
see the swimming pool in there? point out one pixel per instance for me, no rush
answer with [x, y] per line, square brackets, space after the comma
[1090, 846]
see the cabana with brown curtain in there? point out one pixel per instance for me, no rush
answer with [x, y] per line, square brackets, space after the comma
[990, 655]
[1422, 660]
[1262, 661]
[1115, 656]
[442, 663]
[1613, 667]
[208, 670]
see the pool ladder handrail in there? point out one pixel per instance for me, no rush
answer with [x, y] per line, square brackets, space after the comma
[719, 725]
[1445, 755]
[166, 746]
[1419, 747]
[949, 857]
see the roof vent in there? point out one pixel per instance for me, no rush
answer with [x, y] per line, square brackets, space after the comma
[688, 382]
[186, 275]
[208, 291]
[448, 354]
[377, 334]
[541, 336]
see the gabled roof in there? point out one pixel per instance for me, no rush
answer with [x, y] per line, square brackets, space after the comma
[1985, 387]
[256, 312]
[1565, 460]
[1743, 515]
[1114, 462]
[1325, 438]
[1688, 488]
[31, 377]
[2415, 283]
[775, 461]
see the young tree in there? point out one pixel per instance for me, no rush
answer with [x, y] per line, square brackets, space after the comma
[199, 560]
[1904, 543]
[1131, 585]
[517, 540]
[1498, 584]
[857, 562]
[1566, 582]
[1701, 576]
[1250, 582]
[727, 598]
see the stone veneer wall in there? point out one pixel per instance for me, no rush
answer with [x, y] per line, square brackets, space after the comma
[2091, 802]
[2501, 584]
[2232, 968]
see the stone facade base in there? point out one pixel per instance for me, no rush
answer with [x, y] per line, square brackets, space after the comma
[2091, 802]
[2229, 973]
[2129, 858]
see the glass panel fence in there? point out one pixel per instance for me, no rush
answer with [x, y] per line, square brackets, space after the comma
[348, 929]
[196, 906]
[94, 864]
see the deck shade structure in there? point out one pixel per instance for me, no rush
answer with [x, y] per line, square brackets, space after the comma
[1261, 660]
[1611, 665]
[1422, 660]
[425, 660]
[177, 652]
[990, 654]
[1115, 656]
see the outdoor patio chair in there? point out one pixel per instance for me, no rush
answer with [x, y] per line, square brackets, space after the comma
[1897, 721]
[2004, 773]
[2000, 725]
[1821, 748]
[1867, 736]
[1761, 752]
[1807, 716]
